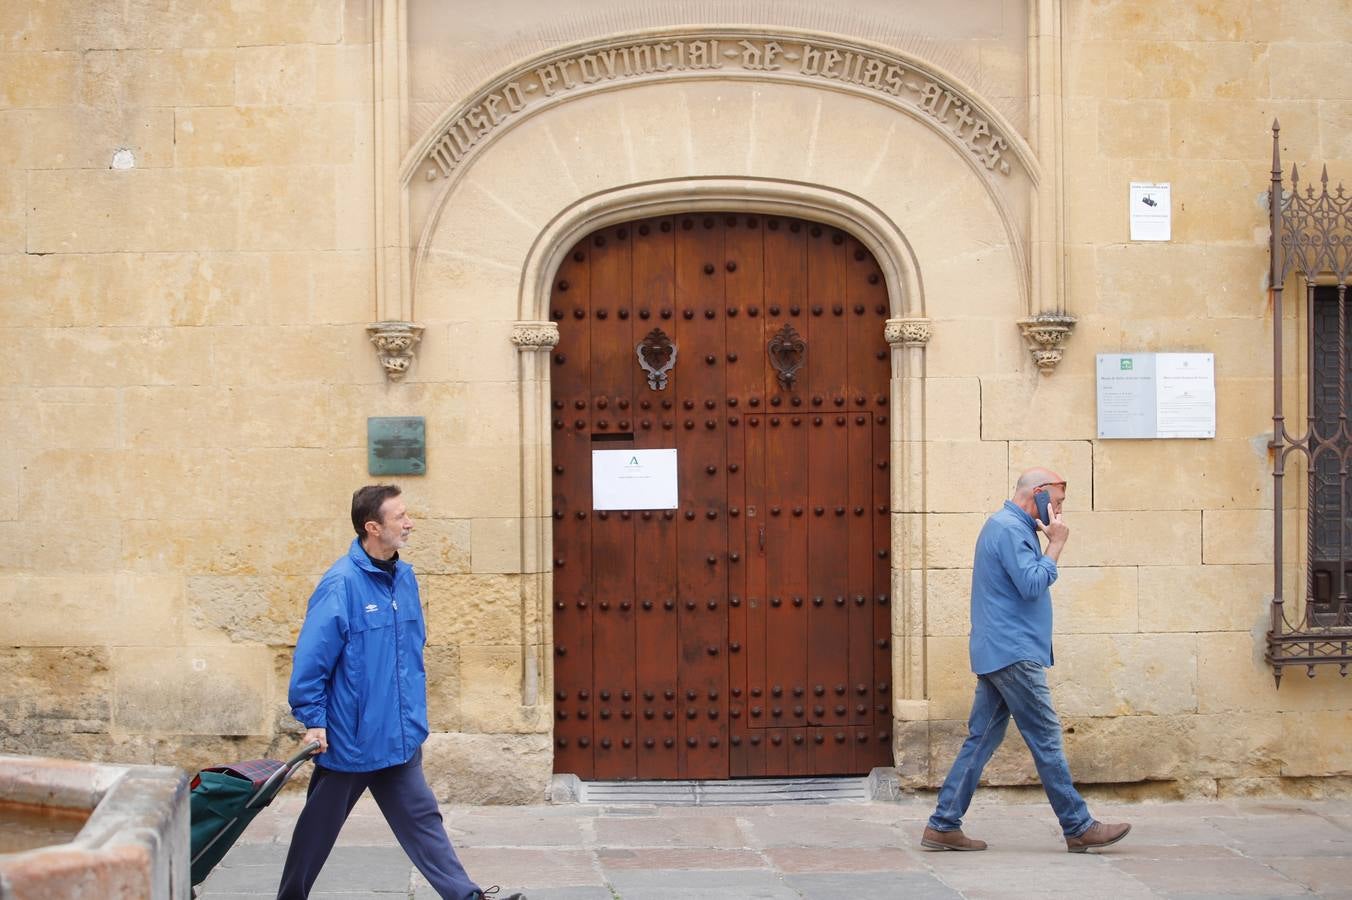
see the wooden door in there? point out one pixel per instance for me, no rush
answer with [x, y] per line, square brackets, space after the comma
[745, 632]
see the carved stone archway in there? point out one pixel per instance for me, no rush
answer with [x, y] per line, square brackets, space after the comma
[490, 226]
[513, 209]
[999, 159]
[914, 86]
[907, 333]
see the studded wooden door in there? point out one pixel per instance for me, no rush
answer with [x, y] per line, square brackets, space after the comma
[744, 633]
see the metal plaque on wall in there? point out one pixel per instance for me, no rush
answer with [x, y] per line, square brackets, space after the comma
[396, 445]
[1156, 395]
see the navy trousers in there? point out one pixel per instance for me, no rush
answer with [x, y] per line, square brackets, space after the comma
[408, 805]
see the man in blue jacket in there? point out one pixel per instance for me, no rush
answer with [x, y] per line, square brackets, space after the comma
[1010, 648]
[359, 687]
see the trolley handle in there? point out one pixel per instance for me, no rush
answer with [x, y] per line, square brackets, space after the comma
[309, 750]
[274, 781]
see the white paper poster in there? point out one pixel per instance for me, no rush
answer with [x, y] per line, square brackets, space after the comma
[1156, 395]
[634, 479]
[1150, 211]
[1185, 395]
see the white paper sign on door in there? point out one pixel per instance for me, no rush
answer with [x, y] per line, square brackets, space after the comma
[634, 479]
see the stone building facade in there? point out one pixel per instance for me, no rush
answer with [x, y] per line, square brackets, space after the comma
[232, 232]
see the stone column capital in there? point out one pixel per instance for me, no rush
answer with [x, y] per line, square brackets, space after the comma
[907, 332]
[1046, 335]
[395, 343]
[535, 336]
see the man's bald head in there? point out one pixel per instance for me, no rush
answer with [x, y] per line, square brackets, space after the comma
[1032, 479]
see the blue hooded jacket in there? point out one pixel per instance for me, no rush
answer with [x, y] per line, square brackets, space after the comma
[358, 667]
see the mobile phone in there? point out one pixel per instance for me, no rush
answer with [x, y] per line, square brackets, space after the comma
[1044, 506]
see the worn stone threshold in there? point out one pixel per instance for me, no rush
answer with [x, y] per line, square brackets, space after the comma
[735, 792]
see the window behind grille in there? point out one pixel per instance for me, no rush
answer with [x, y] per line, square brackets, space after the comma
[1330, 489]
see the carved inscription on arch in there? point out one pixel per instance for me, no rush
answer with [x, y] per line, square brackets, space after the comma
[686, 56]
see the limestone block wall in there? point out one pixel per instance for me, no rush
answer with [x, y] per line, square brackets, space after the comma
[186, 233]
[1163, 599]
[187, 237]
[185, 272]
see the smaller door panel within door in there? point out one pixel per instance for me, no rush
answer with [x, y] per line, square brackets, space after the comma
[702, 532]
[615, 661]
[870, 370]
[786, 572]
[574, 711]
[658, 616]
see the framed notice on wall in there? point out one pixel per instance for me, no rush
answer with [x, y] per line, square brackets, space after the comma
[1156, 395]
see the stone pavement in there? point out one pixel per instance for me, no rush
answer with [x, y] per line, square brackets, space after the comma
[1251, 847]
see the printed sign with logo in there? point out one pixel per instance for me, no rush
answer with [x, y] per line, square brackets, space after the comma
[634, 479]
[1156, 395]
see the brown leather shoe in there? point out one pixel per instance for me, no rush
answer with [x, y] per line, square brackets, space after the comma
[1098, 835]
[949, 840]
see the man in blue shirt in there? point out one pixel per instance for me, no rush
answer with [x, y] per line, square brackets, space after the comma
[359, 687]
[1010, 648]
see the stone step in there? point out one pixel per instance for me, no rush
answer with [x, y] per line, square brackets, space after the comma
[738, 792]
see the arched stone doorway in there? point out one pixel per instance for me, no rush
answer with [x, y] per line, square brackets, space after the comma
[507, 218]
[739, 624]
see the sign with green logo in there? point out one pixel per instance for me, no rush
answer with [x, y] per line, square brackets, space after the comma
[1156, 395]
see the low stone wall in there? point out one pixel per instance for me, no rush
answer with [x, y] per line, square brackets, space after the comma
[134, 846]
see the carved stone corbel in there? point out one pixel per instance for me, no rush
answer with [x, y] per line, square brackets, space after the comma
[1046, 335]
[912, 332]
[535, 335]
[395, 343]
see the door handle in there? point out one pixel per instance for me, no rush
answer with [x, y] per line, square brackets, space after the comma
[762, 537]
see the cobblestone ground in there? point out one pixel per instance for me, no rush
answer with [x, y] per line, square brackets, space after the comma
[1253, 848]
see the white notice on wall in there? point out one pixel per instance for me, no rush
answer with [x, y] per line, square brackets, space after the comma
[1150, 211]
[634, 479]
[1185, 395]
[1156, 395]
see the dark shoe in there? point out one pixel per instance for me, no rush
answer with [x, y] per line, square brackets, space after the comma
[1098, 835]
[492, 894]
[949, 840]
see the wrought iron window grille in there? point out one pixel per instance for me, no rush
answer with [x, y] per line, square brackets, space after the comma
[1311, 238]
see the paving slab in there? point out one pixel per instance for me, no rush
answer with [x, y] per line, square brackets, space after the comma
[527, 828]
[871, 886]
[660, 884]
[679, 858]
[1229, 877]
[819, 831]
[661, 831]
[1325, 877]
[531, 867]
[805, 860]
[1023, 877]
[1294, 834]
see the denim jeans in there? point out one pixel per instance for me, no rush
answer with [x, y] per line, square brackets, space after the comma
[1019, 690]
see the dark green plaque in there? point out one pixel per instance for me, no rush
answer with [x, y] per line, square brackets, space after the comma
[396, 445]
